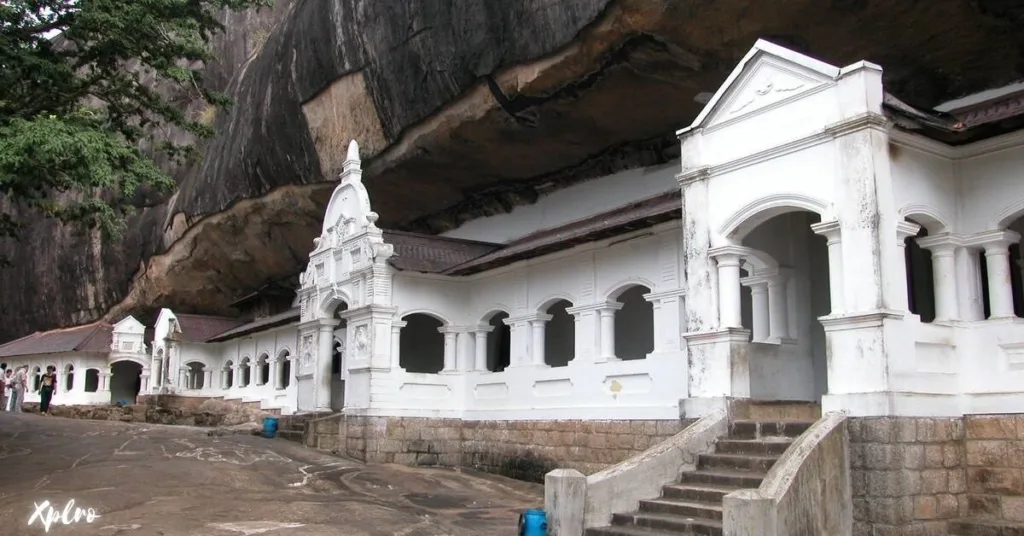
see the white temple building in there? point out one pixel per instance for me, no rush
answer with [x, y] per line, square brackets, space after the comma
[819, 240]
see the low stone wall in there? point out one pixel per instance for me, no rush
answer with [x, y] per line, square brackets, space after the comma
[525, 450]
[211, 412]
[995, 466]
[907, 474]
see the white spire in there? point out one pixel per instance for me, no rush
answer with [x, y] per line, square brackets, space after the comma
[353, 151]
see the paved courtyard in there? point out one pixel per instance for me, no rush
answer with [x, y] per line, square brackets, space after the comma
[143, 479]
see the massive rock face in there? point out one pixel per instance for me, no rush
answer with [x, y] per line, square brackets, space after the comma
[462, 108]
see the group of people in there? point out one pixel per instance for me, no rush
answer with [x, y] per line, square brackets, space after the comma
[14, 385]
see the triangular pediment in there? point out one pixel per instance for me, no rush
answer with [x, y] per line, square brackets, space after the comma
[768, 76]
[129, 325]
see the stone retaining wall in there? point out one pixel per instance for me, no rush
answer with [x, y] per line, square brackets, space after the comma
[524, 450]
[907, 475]
[995, 466]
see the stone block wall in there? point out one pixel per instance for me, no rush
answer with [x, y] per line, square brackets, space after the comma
[995, 466]
[525, 450]
[907, 475]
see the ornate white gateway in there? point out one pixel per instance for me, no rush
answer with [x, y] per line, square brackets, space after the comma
[348, 280]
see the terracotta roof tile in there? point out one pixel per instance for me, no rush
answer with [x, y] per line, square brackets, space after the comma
[201, 328]
[95, 337]
[433, 254]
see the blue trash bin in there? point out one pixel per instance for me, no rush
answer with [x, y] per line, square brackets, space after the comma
[269, 427]
[533, 522]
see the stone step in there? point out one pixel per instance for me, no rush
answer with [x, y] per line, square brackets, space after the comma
[626, 530]
[768, 410]
[670, 523]
[773, 446]
[985, 527]
[744, 429]
[697, 492]
[744, 462]
[696, 509]
[723, 477]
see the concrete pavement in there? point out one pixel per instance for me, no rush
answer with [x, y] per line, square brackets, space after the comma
[144, 479]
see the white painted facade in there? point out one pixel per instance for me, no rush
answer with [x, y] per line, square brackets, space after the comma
[786, 277]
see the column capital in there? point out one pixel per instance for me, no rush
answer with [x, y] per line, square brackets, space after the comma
[665, 294]
[906, 229]
[483, 328]
[942, 244]
[728, 255]
[456, 329]
[828, 229]
[398, 324]
[606, 305]
[993, 241]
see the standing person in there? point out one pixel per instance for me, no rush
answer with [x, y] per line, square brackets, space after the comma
[20, 385]
[47, 388]
[8, 388]
[4, 375]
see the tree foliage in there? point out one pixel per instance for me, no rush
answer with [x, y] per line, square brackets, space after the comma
[78, 102]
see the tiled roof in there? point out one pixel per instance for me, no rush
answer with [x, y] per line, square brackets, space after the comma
[272, 321]
[970, 124]
[433, 254]
[638, 215]
[201, 328]
[94, 338]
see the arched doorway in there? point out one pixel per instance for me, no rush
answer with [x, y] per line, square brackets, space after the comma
[125, 382]
[421, 345]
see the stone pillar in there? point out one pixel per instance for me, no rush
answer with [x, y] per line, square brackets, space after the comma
[537, 325]
[943, 249]
[144, 384]
[565, 498]
[587, 332]
[207, 378]
[519, 332]
[396, 341]
[969, 291]
[480, 359]
[667, 322]
[830, 230]
[729, 290]
[607, 332]
[464, 344]
[104, 381]
[275, 372]
[904, 230]
[236, 372]
[997, 260]
[450, 349]
[778, 307]
[759, 309]
[183, 374]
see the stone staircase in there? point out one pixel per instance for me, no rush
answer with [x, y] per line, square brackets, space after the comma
[293, 427]
[693, 506]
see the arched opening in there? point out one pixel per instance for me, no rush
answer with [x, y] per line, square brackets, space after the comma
[245, 372]
[920, 277]
[559, 335]
[125, 382]
[285, 367]
[69, 378]
[783, 303]
[634, 324]
[499, 343]
[263, 369]
[227, 375]
[338, 373]
[421, 345]
[37, 378]
[92, 380]
[196, 375]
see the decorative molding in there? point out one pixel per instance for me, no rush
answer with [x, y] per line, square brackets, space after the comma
[727, 335]
[772, 201]
[873, 319]
[864, 121]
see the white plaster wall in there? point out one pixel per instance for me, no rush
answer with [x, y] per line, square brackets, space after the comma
[925, 188]
[76, 394]
[571, 204]
[586, 275]
[992, 188]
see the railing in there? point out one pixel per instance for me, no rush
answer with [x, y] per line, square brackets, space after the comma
[807, 491]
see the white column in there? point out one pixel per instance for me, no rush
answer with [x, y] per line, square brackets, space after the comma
[729, 290]
[759, 310]
[207, 378]
[904, 230]
[830, 230]
[183, 378]
[778, 308]
[997, 260]
[943, 251]
[396, 341]
[481, 347]
[324, 358]
[450, 349]
[464, 344]
[607, 328]
[968, 288]
[236, 371]
[104, 381]
[537, 326]
[275, 372]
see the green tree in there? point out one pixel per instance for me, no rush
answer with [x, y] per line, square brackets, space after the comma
[78, 102]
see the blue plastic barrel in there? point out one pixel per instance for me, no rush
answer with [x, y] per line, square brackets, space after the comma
[533, 522]
[269, 427]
